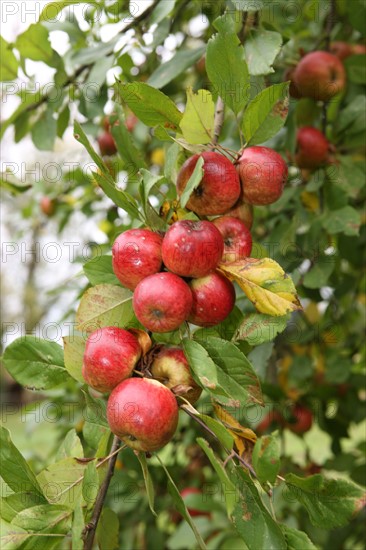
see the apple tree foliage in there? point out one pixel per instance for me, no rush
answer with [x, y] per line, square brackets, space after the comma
[295, 335]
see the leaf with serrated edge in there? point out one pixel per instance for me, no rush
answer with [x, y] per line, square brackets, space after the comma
[104, 305]
[266, 285]
[197, 123]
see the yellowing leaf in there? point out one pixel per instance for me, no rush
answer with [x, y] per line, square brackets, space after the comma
[265, 283]
[197, 123]
[243, 437]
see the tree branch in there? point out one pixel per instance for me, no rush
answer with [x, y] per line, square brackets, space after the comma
[90, 528]
[219, 120]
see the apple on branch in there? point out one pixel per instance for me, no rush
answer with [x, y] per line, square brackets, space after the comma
[213, 299]
[312, 148]
[237, 238]
[320, 75]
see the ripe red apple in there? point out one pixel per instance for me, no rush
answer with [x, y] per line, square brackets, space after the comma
[289, 75]
[263, 174]
[107, 144]
[171, 368]
[193, 511]
[301, 420]
[219, 188]
[48, 206]
[243, 211]
[213, 300]
[162, 302]
[143, 413]
[237, 238]
[192, 248]
[320, 75]
[136, 253]
[312, 148]
[110, 356]
[271, 421]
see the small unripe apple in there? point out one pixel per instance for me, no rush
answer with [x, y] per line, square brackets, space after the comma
[301, 420]
[110, 356]
[143, 413]
[237, 238]
[48, 206]
[193, 511]
[243, 211]
[192, 248]
[107, 145]
[171, 368]
[136, 253]
[320, 75]
[162, 302]
[263, 174]
[312, 148]
[219, 188]
[213, 300]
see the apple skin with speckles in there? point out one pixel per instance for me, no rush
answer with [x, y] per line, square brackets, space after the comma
[136, 253]
[162, 302]
[213, 300]
[192, 248]
[110, 356]
[219, 188]
[171, 368]
[237, 239]
[143, 413]
[263, 174]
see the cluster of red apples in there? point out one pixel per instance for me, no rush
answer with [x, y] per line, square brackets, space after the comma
[175, 279]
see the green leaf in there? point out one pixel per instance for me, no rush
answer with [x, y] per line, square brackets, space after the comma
[249, 5]
[99, 271]
[266, 114]
[252, 520]
[52, 9]
[80, 136]
[8, 62]
[90, 485]
[16, 502]
[344, 220]
[257, 328]
[350, 115]
[34, 363]
[15, 471]
[355, 67]
[197, 123]
[12, 537]
[296, 539]
[223, 435]
[44, 131]
[121, 198]
[261, 48]
[71, 446]
[74, 347]
[34, 43]
[266, 458]
[150, 105]
[62, 481]
[320, 272]
[330, 503]
[228, 487]
[166, 72]
[107, 533]
[148, 482]
[96, 411]
[235, 367]
[181, 507]
[104, 306]
[148, 182]
[125, 146]
[11, 184]
[161, 11]
[54, 520]
[77, 529]
[193, 182]
[227, 69]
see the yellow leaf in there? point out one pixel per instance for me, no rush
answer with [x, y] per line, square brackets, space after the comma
[243, 437]
[265, 283]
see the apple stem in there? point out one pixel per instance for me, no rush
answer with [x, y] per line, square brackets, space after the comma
[90, 528]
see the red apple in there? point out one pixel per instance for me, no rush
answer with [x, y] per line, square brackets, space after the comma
[243, 212]
[107, 144]
[213, 300]
[340, 49]
[162, 302]
[320, 75]
[192, 248]
[143, 413]
[219, 188]
[289, 75]
[193, 511]
[237, 238]
[271, 421]
[48, 206]
[136, 253]
[301, 420]
[110, 356]
[171, 368]
[312, 148]
[263, 174]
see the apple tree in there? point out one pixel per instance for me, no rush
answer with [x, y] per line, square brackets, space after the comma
[209, 390]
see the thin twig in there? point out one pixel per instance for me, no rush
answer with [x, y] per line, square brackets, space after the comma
[90, 528]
